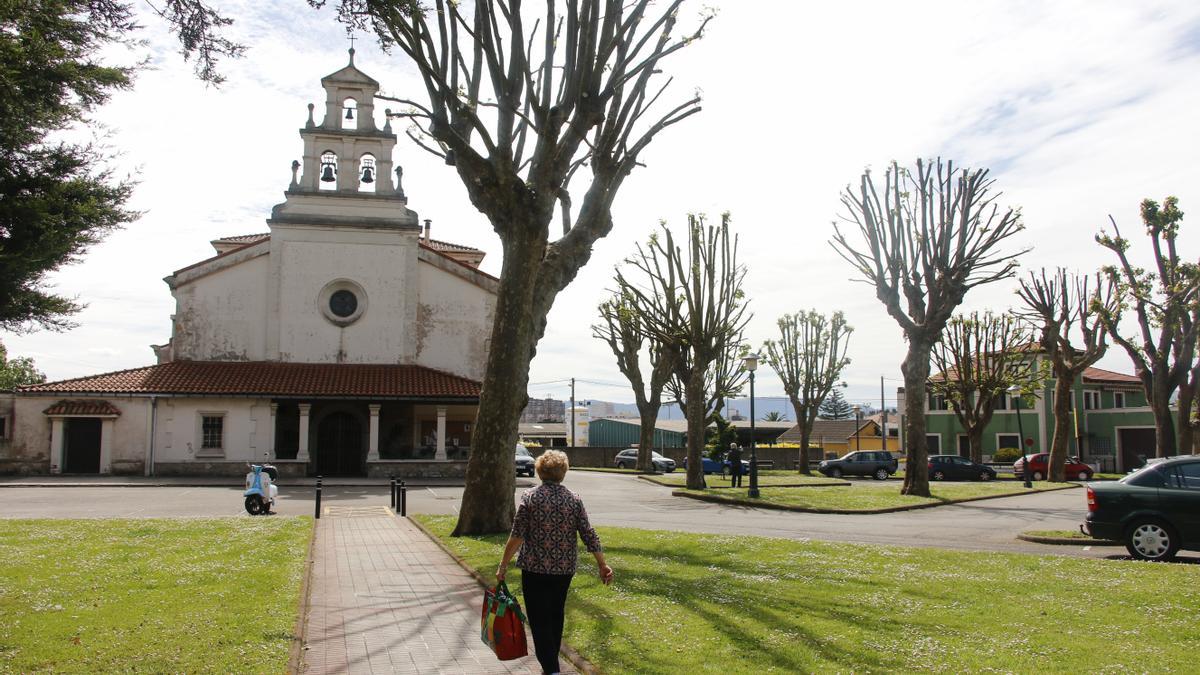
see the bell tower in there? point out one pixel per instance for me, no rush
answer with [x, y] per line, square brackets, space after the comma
[346, 172]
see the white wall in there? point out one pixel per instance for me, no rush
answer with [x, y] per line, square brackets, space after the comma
[177, 432]
[453, 323]
[223, 316]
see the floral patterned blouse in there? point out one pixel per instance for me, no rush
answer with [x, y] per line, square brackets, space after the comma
[547, 519]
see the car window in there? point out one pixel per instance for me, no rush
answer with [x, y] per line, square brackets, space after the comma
[521, 450]
[657, 456]
[1150, 476]
[1189, 476]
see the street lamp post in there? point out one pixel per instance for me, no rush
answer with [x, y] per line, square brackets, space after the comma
[1016, 391]
[750, 362]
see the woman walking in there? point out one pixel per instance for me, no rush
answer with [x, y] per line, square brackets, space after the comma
[544, 532]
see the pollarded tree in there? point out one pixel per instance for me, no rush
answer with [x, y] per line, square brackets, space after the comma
[836, 407]
[1163, 301]
[521, 103]
[980, 357]
[809, 358]
[925, 242]
[621, 329]
[692, 305]
[1062, 304]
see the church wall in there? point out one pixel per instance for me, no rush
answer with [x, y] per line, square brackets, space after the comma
[223, 316]
[28, 448]
[377, 263]
[453, 323]
[178, 432]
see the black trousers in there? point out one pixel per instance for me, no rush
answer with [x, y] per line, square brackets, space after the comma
[736, 479]
[545, 603]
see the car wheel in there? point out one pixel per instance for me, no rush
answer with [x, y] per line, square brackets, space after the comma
[621, 465]
[938, 475]
[985, 476]
[835, 472]
[1151, 540]
[1037, 475]
[881, 474]
[1084, 475]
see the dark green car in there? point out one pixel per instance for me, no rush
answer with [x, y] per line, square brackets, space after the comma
[1154, 511]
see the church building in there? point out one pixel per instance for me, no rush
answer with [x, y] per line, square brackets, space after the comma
[343, 341]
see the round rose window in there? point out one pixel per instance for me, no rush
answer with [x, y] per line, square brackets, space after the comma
[343, 303]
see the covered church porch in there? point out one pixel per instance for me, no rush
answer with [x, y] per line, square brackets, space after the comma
[376, 438]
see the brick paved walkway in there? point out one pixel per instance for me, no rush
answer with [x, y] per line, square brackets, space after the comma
[386, 599]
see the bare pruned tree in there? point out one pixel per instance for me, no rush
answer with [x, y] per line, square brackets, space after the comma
[523, 103]
[809, 358]
[1063, 304]
[692, 305]
[1163, 301]
[923, 243]
[621, 328]
[979, 357]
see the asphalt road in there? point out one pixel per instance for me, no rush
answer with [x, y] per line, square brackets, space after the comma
[612, 499]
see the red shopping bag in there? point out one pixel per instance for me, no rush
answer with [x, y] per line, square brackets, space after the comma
[502, 624]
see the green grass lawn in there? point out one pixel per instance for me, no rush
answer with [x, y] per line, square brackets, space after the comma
[1058, 534]
[195, 595]
[604, 469]
[721, 604]
[870, 495]
[771, 477]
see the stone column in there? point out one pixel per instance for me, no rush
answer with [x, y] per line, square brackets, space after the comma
[440, 455]
[106, 434]
[56, 444]
[302, 455]
[271, 432]
[373, 443]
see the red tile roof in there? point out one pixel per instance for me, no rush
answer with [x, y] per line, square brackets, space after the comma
[1109, 377]
[82, 408]
[268, 378]
[243, 238]
[435, 244]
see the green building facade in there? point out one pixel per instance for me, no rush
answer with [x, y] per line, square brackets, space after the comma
[1112, 425]
[621, 433]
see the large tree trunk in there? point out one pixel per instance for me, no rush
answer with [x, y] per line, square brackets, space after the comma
[1061, 405]
[645, 463]
[1164, 426]
[916, 373]
[975, 441]
[805, 459]
[488, 504]
[696, 425]
[1185, 430]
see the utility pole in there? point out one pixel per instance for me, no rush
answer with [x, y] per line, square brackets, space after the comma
[883, 408]
[572, 412]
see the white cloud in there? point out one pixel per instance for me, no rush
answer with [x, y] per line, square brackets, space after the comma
[1081, 109]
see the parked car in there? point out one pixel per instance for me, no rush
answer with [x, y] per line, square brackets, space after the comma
[1155, 511]
[627, 459]
[1038, 467]
[953, 467]
[524, 461]
[878, 464]
[722, 467]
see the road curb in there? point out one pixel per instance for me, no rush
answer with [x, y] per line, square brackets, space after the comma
[581, 664]
[300, 632]
[650, 479]
[865, 512]
[1067, 541]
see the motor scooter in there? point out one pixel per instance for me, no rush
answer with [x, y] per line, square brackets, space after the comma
[261, 490]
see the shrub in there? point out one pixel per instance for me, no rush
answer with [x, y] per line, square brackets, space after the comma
[1005, 455]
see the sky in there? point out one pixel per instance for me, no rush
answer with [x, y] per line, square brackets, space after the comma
[1079, 109]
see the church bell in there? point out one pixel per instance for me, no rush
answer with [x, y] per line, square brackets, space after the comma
[349, 113]
[368, 175]
[327, 174]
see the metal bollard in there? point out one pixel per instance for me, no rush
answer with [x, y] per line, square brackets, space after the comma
[317, 508]
[403, 500]
[393, 492]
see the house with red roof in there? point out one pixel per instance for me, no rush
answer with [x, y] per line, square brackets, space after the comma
[344, 340]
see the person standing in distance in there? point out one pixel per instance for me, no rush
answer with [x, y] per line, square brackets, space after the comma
[544, 529]
[735, 465]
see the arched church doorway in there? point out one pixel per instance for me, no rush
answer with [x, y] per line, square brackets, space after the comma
[339, 446]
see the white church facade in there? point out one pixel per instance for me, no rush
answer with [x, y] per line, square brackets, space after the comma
[342, 341]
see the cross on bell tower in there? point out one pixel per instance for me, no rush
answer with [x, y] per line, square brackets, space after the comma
[346, 152]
